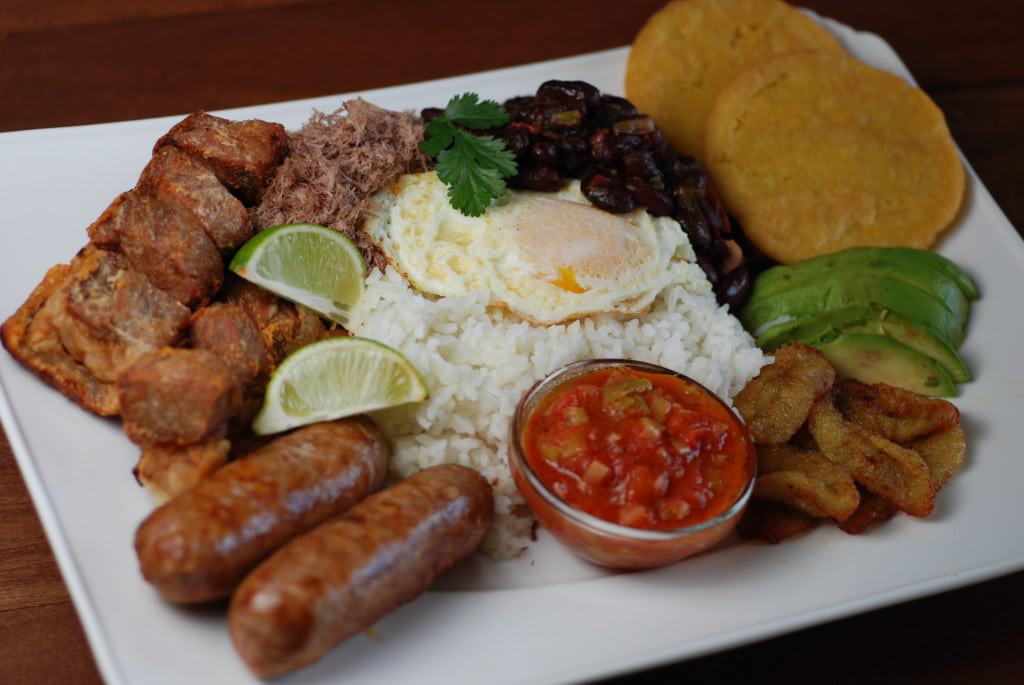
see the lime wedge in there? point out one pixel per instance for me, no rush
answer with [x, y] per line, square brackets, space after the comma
[334, 378]
[313, 265]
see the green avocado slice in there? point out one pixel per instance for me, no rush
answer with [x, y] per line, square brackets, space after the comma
[826, 327]
[877, 359]
[901, 264]
[841, 291]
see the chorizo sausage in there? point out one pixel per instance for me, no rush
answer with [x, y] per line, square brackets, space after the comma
[197, 547]
[344, 575]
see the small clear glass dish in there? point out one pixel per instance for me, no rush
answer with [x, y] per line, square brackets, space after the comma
[603, 542]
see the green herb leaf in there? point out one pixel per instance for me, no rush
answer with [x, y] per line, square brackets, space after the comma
[466, 109]
[475, 169]
[438, 136]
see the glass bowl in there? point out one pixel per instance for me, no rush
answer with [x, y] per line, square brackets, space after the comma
[603, 542]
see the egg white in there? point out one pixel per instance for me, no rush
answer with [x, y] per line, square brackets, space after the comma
[547, 257]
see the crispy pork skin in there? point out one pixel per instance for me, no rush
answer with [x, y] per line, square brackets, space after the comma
[89, 321]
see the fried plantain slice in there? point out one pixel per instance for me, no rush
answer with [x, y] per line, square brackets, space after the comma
[895, 414]
[943, 452]
[872, 509]
[805, 480]
[775, 404]
[773, 522]
[897, 474]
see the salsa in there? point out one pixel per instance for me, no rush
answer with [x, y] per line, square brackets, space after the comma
[643, 450]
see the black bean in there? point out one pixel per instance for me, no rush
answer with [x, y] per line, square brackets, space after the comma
[544, 152]
[606, 193]
[624, 142]
[591, 170]
[515, 105]
[714, 219]
[690, 187]
[657, 201]
[734, 287]
[708, 266]
[639, 163]
[614, 109]
[573, 150]
[579, 92]
[516, 139]
[695, 226]
[603, 148]
[538, 177]
[669, 164]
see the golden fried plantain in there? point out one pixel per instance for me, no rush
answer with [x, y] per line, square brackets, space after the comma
[943, 452]
[805, 480]
[872, 509]
[895, 414]
[773, 523]
[776, 403]
[897, 474]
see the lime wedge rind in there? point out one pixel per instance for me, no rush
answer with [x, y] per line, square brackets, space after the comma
[335, 378]
[308, 264]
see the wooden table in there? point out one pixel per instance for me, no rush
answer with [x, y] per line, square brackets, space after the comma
[83, 61]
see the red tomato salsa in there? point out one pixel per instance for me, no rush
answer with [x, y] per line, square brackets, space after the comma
[644, 450]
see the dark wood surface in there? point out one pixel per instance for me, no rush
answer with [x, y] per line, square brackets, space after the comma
[68, 62]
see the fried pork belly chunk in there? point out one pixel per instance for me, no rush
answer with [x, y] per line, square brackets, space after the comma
[895, 414]
[284, 327]
[178, 180]
[163, 243]
[177, 397]
[226, 331]
[775, 404]
[166, 471]
[243, 154]
[88, 322]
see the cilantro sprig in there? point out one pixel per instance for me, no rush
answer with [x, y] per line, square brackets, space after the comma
[474, 167]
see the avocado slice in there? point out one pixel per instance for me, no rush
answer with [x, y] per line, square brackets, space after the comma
[948, 267]
[842, 290]
[901, 264]
[866, 319]
[874, 358]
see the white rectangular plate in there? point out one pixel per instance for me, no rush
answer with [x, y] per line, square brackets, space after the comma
[543, 618]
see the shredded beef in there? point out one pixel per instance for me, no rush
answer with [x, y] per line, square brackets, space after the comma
[337, 161]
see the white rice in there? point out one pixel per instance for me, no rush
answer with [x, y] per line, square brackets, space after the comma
[478, 362]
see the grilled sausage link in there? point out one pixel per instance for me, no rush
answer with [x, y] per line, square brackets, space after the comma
[197, 547]
[347, 573]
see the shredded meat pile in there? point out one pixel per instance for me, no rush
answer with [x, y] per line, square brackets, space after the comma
[337, 162]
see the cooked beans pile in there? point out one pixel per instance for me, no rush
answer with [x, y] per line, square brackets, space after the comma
[570, 130]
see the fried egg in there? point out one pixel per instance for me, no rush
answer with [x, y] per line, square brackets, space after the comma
[547, 257]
